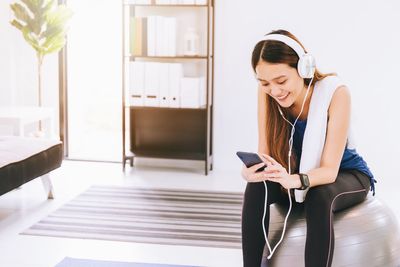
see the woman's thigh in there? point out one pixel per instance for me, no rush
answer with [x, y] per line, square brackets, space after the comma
[255, 192]
[350, 187]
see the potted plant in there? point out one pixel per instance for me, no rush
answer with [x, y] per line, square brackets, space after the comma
[43, 24]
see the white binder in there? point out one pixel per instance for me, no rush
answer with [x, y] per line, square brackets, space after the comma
[187, 2]
[136, 83]
[170, 29]
[143, 2]
[201, 2]
[161, 36]
[193, 92]
[203, 92]
[151, 35]
[164, 84]
[152, 89]
[163, 2]
[175, 75]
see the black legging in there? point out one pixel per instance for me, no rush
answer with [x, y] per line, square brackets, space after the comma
[351, 187]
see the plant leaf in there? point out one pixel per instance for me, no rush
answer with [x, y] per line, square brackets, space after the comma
[51, 36]
[48, 6]
[53, 31]
[30, 39]
[56, 23]
[21, 13]
[17, 24]
[30, 5]
[42, 23]
[59, 16]
[56, 45]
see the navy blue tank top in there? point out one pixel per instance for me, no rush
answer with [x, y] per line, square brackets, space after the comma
[351, 160]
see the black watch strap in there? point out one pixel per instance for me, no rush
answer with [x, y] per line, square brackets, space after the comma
[305, 182]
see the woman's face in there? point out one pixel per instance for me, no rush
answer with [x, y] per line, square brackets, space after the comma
[280, 81]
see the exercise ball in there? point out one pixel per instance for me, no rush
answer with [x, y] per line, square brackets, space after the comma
[366, 235]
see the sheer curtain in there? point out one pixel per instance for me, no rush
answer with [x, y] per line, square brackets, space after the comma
[94, 80]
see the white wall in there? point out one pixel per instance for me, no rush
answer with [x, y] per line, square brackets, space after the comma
[6, 54]
[339, 34]
[357, 39]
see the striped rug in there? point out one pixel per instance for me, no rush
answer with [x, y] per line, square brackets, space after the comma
[158, 216]
[72, 262]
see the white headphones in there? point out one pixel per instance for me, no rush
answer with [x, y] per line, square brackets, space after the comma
[306, 69]
[306, 64]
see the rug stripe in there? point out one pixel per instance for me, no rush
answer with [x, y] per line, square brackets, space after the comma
[141, 202]
[160, 208]
[139, 226]
[82, 216]
[158, 216]
[165, 190]
[72, 262]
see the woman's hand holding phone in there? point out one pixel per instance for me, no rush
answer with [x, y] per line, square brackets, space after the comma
[263, 167]
[251, 174]
[254, 165]
[276, 173]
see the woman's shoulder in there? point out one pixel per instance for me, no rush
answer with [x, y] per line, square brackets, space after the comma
[326, 88]
[330, 82]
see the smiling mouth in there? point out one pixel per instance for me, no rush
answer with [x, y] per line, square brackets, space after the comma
[281, 98]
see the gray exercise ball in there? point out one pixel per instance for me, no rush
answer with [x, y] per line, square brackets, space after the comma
[366, 235]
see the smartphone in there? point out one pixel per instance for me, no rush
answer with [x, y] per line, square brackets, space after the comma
[249, 159]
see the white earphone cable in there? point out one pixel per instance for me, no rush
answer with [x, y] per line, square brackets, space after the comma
[271, 251]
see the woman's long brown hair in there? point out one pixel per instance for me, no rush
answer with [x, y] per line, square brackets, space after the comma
[277, 131]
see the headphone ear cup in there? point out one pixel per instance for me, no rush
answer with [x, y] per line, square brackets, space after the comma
[306, 66]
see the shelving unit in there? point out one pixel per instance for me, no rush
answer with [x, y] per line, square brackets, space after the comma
[170, 132]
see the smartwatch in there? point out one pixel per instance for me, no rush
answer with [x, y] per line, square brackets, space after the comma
[305, 182]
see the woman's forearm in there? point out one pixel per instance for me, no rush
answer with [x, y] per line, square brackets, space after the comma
[322, 175]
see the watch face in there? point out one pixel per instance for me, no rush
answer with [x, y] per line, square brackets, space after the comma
[306, 180]
[305, 183]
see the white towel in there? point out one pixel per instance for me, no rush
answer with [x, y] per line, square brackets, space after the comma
[315, 132]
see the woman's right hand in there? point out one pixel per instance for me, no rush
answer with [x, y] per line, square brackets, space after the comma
[250, 174]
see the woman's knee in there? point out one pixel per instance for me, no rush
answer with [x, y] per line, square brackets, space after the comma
[253, 195]
[322, 195]
[255, 192]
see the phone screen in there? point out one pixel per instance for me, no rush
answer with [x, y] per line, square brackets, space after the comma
[249, 159]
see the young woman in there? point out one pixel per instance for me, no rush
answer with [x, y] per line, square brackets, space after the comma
[340, 179]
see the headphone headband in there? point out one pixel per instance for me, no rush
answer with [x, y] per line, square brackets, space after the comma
[306, 63]
[288, 41]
